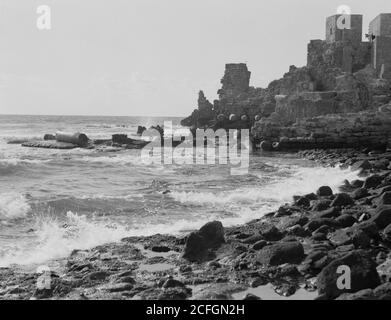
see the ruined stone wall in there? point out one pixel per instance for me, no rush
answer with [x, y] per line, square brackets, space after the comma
[369, 128]
[326, 61]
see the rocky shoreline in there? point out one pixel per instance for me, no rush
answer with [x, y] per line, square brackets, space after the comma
[292, 253]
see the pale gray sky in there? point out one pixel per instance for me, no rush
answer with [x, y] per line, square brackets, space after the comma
[150, 57]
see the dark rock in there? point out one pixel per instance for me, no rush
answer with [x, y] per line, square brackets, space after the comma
[213, 234]
[360, 193]
[381, 164]
[341, 200]
[253, 239]
[329, 213]
[384, 199]
[364, 164]
[372, 182]
[119, 287]
[140, 130]
[324, 191]
[176, 293]
[311, 196]
[382, 217]
[354, 236]
[210, 236]
[320, 205]
[259, 245]
[370, 228]
[270, 232]
[346, 220]
[280, 253]
[97, 276]
[160, 249]
[250, 296]
[172, 283]
[366, 294]
[357, 183]
[383, 292]
[259, 281]
[303, 202]
[323, 229]
[318, 222]
[362, 270]
[318, 237]
[297, 230]
[285, 289]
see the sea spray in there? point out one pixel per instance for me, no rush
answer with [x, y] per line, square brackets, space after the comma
[13, 206]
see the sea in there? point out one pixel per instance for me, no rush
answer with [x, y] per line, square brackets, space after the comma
[55, 201]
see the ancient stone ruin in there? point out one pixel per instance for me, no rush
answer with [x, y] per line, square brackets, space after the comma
[341, 98]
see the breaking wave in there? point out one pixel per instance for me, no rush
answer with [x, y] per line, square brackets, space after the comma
[13, 206]
[303, 181]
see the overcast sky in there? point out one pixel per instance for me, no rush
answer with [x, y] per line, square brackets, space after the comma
[150, 57]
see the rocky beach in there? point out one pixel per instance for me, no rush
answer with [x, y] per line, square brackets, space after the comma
[82, 217]
[293, 252]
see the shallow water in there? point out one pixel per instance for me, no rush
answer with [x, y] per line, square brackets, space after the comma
[55, 201]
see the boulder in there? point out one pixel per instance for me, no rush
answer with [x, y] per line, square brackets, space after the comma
[357, 183]
[198, 244]
[341, 200]
[346, 220]
[280, 253]
[212, 233]
[329, 213]
[270, 232]
[362, 271]
[372, 182]
[318, 222]
[360, 193]
[324, 191]
[320, 205]
[382, 216]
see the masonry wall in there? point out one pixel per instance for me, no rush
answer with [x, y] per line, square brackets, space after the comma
[371, 129]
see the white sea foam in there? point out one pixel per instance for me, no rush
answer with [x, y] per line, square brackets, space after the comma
[52, 240]
[300, 182]
[55, 239]
[18, 161]
[13, 206]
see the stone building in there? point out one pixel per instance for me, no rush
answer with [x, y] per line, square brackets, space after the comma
[380, 37]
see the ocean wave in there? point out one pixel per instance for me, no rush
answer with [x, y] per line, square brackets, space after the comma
[300, 182]
[11, 165]
[13, 206]
[56, 239]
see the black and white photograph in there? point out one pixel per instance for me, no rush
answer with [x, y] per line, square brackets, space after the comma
[214, 151]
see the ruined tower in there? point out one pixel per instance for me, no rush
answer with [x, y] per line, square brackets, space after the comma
[335, 33]
[236, 80]
[380, 35]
